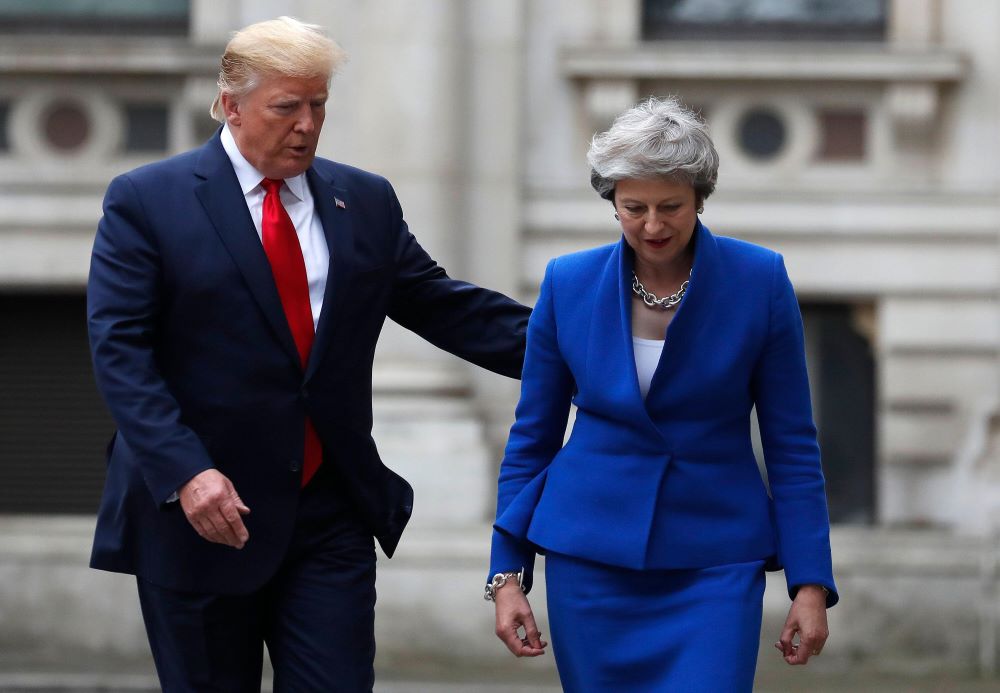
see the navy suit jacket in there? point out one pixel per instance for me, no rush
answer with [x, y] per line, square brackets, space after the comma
[195, 359]
[670, 481]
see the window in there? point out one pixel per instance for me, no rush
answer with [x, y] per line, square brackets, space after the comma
[762, 133]
[842, 134]
[4, 124]
[863, 20]
[842, 379]
[145, 127]
[66, 125]
[95, 16]
[54, 427]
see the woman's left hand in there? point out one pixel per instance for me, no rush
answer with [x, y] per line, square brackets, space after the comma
[514, 614]
[807, 618]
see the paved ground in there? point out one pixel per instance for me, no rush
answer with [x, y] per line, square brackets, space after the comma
[23, 674]
[797, 681]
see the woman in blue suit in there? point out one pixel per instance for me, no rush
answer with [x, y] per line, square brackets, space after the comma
[656, 524]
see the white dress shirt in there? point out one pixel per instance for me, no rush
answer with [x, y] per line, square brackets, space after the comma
[298, 202]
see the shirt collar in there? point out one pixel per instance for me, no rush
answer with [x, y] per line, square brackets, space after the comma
[248, 175]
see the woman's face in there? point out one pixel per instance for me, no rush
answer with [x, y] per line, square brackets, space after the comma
[658, 217]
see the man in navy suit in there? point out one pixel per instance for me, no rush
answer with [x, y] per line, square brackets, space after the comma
[236, 295]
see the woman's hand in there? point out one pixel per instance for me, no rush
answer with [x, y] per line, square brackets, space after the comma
[513, 614]
[807, 617]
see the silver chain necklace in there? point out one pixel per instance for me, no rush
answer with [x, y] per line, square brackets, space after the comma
[650, 299]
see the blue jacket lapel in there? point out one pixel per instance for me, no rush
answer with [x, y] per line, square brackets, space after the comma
[338, 227]
[220, 193]
[691, 318]
[610, 351]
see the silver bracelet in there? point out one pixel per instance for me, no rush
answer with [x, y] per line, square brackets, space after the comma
[501, 579]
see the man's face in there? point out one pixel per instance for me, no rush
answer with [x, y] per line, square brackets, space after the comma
[276, 126]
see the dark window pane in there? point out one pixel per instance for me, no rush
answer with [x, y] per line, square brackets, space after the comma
[145, 127]
[142, 16]
[842, 134]
[842, 378]
[53, 425]
[765, 19]
[761, 133]
[4, 123]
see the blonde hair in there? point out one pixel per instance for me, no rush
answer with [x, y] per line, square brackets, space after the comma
[283, 46]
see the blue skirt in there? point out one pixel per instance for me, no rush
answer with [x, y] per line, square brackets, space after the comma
[615, 629]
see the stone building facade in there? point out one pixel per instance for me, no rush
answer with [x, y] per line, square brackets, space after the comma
[859, 141]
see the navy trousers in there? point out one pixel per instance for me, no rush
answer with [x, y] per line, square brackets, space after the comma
[316, 615]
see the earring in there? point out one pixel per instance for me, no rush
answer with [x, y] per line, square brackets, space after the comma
[617, 218]
[700, 210]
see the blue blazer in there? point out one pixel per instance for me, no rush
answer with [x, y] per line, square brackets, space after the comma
[669, 481]
[194, 356]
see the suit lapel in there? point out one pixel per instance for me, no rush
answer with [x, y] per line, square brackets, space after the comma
[691, 318]
[615, 294]
[338, 227]
[220, 194]
[610, 350]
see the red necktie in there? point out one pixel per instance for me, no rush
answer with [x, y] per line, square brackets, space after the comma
[281, 244]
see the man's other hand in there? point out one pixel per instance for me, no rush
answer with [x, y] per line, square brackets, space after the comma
[214, 509]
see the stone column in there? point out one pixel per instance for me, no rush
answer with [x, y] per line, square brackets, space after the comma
[493, 187]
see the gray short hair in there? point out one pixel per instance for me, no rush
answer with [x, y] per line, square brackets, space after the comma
[283, 46]
[659, 138]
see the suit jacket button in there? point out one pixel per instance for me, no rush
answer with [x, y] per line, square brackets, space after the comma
[294, 466]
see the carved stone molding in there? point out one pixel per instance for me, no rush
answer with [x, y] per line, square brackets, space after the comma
[32, 56]
[913, 77]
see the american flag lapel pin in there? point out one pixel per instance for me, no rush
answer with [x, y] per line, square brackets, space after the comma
[340, 203]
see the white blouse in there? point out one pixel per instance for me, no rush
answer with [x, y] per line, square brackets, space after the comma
[647, 355]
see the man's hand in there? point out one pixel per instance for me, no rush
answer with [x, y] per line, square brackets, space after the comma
[513, 614]
[807, 617]
[214, 509]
